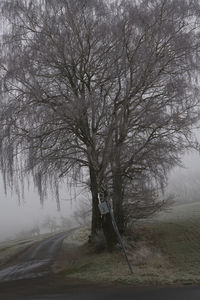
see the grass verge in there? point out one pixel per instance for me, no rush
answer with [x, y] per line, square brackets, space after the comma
[11, 250]
[166, 253]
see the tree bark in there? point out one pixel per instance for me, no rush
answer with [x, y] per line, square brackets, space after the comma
[96, 216]
[100, 222]
[109, 233]
[118, 200]
[107, 225]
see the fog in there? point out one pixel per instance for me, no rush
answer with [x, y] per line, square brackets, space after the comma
[184, 182]
[16, 215]
[23, 214]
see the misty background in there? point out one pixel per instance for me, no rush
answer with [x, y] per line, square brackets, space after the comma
[23, 214]
[18, 215]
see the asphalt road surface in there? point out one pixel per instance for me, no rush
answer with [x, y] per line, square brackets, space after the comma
[161, 294]
[50, 288]
[37, 261]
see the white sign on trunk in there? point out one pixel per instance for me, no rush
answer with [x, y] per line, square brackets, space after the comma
[103, 207]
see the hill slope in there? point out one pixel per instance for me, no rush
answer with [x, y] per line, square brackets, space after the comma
[179, 238]
[166, 252]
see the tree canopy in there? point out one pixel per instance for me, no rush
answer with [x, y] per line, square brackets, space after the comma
[108, 87]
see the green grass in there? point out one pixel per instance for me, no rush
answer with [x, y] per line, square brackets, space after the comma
[179, 233]
[176, 259]
[109, 268]
[10, 250]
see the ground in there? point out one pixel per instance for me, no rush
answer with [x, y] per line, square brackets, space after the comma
[163, 251]
[11, 250]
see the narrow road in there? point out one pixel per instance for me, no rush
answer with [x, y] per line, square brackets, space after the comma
[36, 262]
[55, 288]
[187, 293]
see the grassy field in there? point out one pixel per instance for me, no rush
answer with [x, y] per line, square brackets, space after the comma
[179, 239]
[12, 249]
[167, 252]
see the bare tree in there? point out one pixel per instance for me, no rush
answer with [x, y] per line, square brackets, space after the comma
[108, 88]
[157, 96]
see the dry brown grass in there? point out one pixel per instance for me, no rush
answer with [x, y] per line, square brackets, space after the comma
[79, 260]
[163, 251]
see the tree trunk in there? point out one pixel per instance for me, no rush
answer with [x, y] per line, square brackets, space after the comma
[118, 200]
[109, 233]
[107, 225]
[96, 216]
[100, 222]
